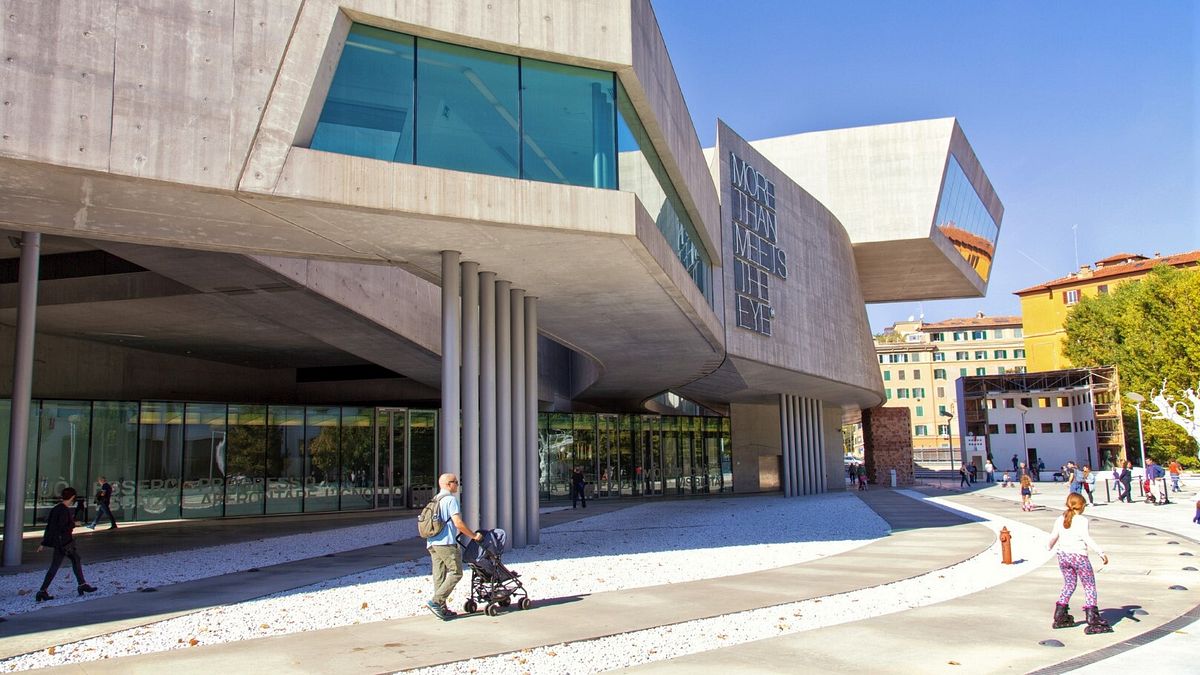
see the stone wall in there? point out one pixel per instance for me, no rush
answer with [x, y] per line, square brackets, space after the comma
[887, 439]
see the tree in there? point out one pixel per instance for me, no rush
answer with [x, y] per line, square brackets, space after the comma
[1150, 330]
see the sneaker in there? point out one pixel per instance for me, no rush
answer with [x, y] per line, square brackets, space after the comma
[90, 526]
[437, 610]
[449, 613]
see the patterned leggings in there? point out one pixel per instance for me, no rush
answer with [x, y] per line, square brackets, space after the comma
[1076, 567]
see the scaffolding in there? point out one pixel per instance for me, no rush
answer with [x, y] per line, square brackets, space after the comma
[1102, 383]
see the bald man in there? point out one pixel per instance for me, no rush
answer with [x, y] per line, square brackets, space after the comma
[443, 549]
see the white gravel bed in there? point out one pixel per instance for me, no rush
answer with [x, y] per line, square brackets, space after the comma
[129, 574]
[644, 545]
[666, 642]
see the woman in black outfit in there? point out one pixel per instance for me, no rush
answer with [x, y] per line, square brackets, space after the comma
[577, 487]
[1126, 480]
[59, 525]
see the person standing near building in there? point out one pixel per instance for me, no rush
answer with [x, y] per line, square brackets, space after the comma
[1072, 535]
[103, 504]
[1174, 469]
[1026, 494]
[963, 479]
[1014, 462]
[1125, 479]
[1089, 484]
[990, 470]
[577, 487]
[60, 523]
[1075, 478]
[443, 548]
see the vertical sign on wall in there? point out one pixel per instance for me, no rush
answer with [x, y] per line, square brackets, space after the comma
[756, 253]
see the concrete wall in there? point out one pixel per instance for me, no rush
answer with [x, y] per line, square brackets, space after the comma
[756, 437]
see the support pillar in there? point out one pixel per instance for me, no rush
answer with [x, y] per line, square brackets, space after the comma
[785, 436]
[487, 389]
[533, 463]
[448, 421]
[469, 478]
[519, 452]
[18, 437]
[504, 432]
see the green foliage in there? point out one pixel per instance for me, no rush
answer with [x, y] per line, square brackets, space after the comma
[1150, 330]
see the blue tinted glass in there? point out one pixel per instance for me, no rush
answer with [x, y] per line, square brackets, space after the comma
[467, 109]
[964, 219]
[368, 112]
[640, 171]
[568, 124]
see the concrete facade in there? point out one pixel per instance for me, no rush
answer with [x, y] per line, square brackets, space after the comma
[187, 222]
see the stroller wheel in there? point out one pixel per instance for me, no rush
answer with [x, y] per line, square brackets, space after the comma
[493, 609]
[469, 607]
[525, 603]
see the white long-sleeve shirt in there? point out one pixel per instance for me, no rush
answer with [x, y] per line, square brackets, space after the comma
[1075, 539]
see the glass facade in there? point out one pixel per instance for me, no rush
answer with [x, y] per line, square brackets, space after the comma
[963, 218]
[399, 98]
[175, 459]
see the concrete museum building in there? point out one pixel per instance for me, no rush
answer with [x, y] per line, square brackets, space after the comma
[303, 256]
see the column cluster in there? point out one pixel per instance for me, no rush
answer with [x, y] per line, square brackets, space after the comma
[803, 439]
[488, 424]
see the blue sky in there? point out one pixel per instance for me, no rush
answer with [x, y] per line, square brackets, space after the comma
[1083, 113]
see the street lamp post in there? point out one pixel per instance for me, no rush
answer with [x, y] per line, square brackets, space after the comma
[1024, 443]
[949, 435]
[1137, 404]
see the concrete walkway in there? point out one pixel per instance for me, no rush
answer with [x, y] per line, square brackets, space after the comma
[926, 538]
[996, 630]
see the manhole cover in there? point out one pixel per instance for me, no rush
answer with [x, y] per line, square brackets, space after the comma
[1151, 534]
[1177, 587]
[1124, 527]
[1186, 553]
[1050, 643]
[1173, 542]
[1189, 569]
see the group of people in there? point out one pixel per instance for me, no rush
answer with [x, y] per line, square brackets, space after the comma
[857, 472]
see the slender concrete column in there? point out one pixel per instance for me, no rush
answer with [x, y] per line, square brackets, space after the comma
[487, 399]
[785, 436]
[533, 468]
[18, 435]
[519, 454]
[819, 448]
[448, 421]
[504, 434]
[799, 465]
[469, 479]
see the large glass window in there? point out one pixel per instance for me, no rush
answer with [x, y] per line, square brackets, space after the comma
[423, 450]
[568, 124]
[204, 441]
[368, 112]
[159, 460]
[285, 459]
[639, 170]
[322, 463]
[64, 436]
[963, 218]
[246, 460]
[358, 458]
[114, 452]
[469, 109]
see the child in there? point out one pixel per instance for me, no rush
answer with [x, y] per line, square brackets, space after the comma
[1026, 493]
[1196, 519]
[1073, 539]
[1005, 483]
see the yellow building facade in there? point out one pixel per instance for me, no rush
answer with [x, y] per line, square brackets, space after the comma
[921, 362]
[1044, 308]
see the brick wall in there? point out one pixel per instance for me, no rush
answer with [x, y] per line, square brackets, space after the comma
[887, 441]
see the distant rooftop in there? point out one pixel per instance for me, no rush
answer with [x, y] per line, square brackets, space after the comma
[1118, 265]
[977, 321]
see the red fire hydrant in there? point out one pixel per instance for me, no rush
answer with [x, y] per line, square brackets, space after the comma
[1005, 546]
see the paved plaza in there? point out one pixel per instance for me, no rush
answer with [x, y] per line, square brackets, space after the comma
[928, 596]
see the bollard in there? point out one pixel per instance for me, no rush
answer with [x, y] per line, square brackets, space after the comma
[892, 476]
[1005, 546]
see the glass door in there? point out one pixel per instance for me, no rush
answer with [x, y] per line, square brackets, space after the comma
[391, 426]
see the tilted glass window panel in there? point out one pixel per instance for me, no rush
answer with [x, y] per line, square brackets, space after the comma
[963, 218]
[246, 460]
[639, 170]
[160, 460]
[204, 460]
[568, 124]
[468, 109]
[368, 112]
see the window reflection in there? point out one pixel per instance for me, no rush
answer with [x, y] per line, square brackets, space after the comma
[204, 441]
[965, 221]
[285, 459]
[358, 458]
[159, 466]
[246, 460]
[64, 435]
[322, 475]
[568, 124]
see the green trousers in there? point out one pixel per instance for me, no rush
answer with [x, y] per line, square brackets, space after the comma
[447, 571]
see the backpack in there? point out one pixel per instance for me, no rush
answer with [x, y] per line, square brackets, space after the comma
[429, 521]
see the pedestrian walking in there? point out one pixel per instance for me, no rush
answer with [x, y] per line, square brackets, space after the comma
[103, 504]
[577, 487]
[443, 547]
[1074, 478]
[1174, 469]
[1026, 494]
[1014, 462]
[1125, 480]
[1073, 538]
[1196, 518]
[972, 470]
[1089, 484]
[990, 470]
[963, 480]
[58, 535]
[861, 473]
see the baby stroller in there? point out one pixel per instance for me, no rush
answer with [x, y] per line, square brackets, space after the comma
[493, 585]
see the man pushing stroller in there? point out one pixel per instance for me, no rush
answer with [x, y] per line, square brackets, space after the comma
[443, 547]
